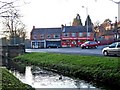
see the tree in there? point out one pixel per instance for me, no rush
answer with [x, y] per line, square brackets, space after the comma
[5, 7]
[13, 26]
[77, 21]
[88, 21]
[97, 23]
[107, 21]
[107, 24]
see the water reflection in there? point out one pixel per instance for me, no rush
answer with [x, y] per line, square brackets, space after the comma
[39, 78]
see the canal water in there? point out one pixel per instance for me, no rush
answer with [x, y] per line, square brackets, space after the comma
[39, 78]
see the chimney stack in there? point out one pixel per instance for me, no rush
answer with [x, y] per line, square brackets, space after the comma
[33, 27]
[63, 28]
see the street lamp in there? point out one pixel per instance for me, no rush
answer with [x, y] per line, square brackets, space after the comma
[86, 19]
[116, 30]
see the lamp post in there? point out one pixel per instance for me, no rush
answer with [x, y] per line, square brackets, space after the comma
[116, 31]
[86, 19]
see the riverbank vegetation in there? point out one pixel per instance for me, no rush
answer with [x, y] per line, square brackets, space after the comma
[94, 69]
[10, 82]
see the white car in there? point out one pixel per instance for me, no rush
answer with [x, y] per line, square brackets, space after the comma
[113, 49]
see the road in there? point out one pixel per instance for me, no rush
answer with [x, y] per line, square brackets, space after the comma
[75, 50]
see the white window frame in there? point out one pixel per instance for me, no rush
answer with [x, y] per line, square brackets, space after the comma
[80, 34]
[73, 34]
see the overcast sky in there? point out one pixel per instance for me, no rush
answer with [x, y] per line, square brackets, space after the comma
[53, 13]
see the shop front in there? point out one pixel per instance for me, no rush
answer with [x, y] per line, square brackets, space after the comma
[38, 44]
[69, 42]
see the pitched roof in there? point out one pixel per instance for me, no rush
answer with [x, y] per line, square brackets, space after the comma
[72, 29]
[75, 29]
[46, 31]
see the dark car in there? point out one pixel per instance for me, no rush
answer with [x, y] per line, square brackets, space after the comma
[53, 46]
[112, 49]
[89, 44]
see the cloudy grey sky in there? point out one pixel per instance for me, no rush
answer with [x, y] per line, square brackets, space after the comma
[53, 13]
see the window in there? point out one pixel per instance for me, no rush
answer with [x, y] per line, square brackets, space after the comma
[73, 34]
[66, 34]
[35, 37]
[118, 45]
[73, 42]
[42, 36]
[88, 34]
[112, 45]
[80, 34]
[48, 36]
[56, 36]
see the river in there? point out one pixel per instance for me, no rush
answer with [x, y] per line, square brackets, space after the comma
[39, 78]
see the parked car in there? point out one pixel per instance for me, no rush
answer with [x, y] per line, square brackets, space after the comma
[112, 49]
[89, 44]
[53, 46]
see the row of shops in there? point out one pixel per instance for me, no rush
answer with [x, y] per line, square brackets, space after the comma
[65, 42]
[70, 36]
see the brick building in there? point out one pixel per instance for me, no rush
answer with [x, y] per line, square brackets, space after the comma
[40, 37]
[65, 36]
[73, 36]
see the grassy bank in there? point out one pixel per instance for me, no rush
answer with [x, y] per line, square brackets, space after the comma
[9, 82]
[102, 70]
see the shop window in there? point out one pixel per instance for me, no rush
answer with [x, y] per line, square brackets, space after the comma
[73, 42]
[78, 40]
[33, 43]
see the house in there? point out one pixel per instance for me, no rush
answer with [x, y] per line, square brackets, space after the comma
[74, 36]
[65, 36]
[107, 33]
[41, 37]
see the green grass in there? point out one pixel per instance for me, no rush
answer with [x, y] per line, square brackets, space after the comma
[91, 68]
[10, 82]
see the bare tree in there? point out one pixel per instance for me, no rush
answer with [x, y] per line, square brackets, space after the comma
[13, 26]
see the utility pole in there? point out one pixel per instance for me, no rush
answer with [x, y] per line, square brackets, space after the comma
[116, 23]
[87, 19]
[116, 30]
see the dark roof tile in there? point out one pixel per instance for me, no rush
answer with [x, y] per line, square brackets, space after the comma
[73, 29]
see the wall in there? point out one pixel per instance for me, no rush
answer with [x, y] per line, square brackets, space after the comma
[10, 51]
